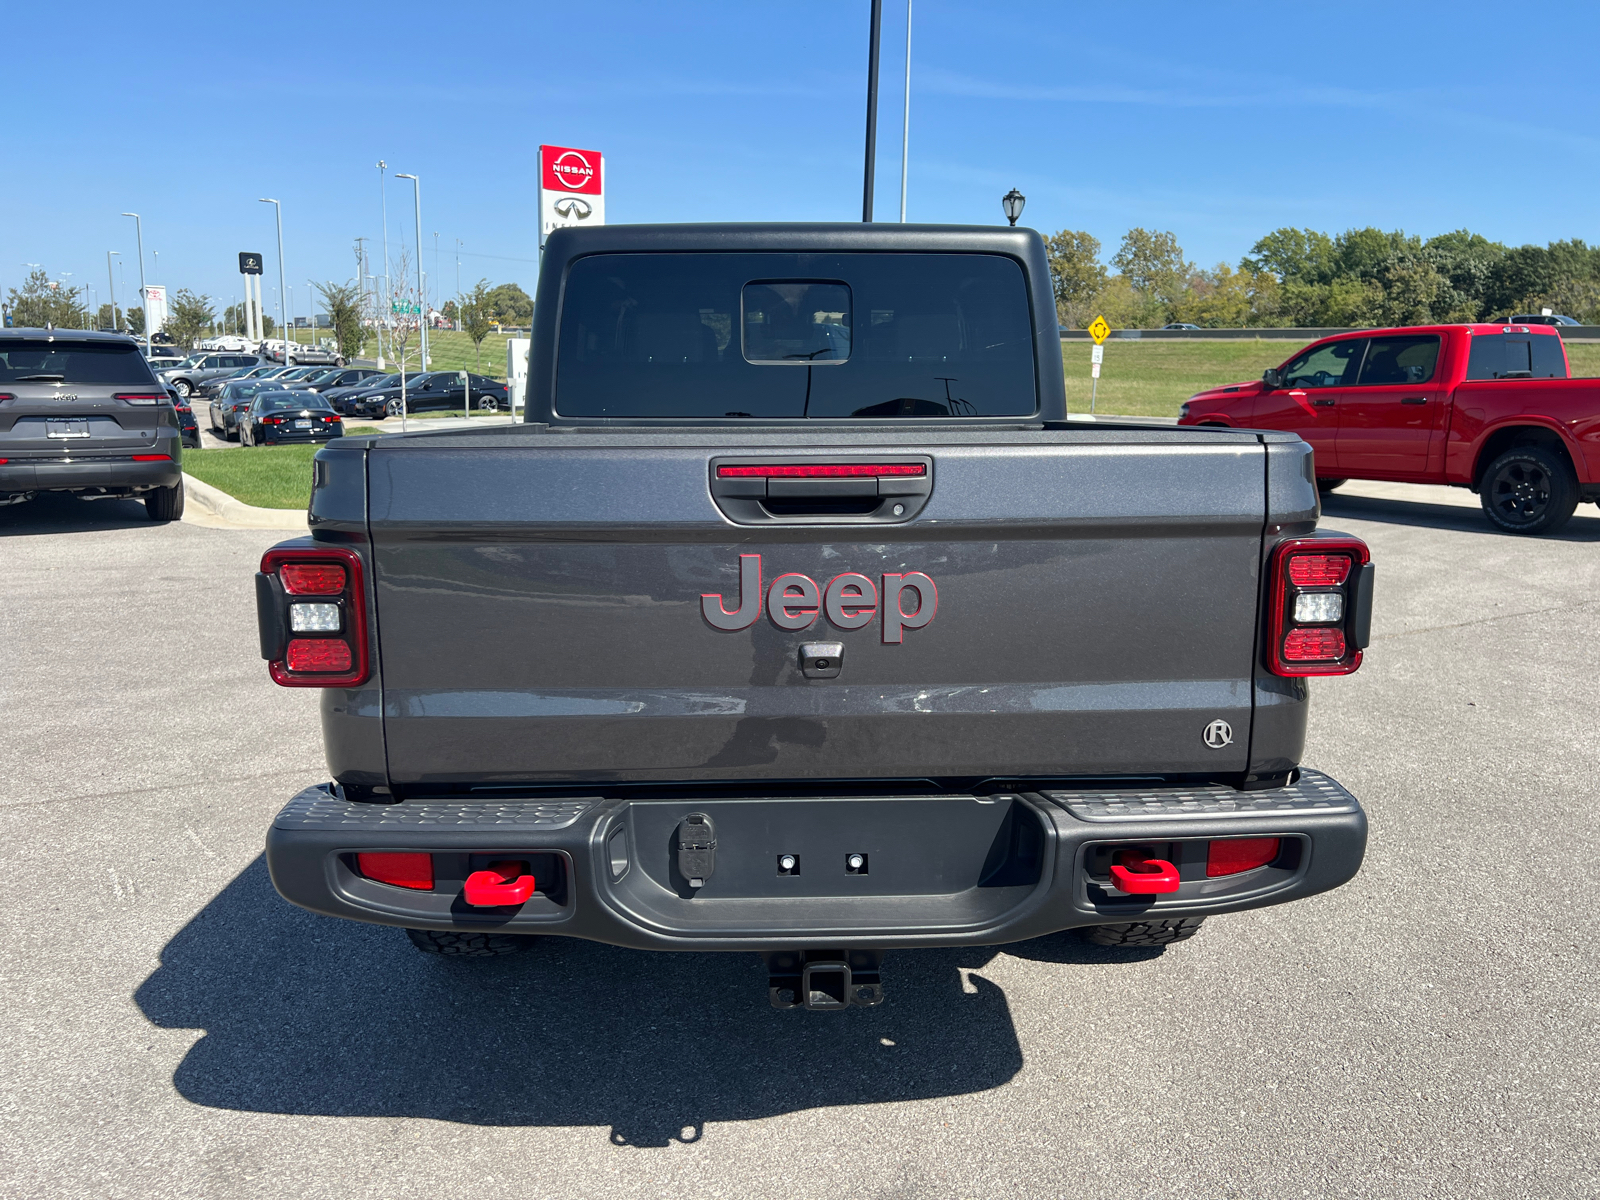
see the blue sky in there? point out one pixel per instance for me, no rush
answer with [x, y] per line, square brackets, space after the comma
[1216, 121]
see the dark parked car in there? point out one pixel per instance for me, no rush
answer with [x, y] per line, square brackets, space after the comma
[370, 399]
[274, 417]
[198, 368]
[444, 390]
[342, 377]
[188, 427]
[81, 412]
[233, 400]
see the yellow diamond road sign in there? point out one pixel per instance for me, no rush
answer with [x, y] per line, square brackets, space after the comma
[1099, 330]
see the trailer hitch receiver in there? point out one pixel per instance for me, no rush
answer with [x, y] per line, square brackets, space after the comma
[824, 980]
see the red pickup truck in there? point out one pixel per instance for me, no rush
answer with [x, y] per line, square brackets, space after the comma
[1488, 407]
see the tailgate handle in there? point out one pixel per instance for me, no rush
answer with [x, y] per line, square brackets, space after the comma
[851, 489]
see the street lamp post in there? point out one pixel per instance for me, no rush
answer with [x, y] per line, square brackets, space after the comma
[416, 192]
[905, 131]
[383, 195]
[1012, 202]
[283, 286]
[111, 283]
[872, 110]
[144, 296]
[458, 285]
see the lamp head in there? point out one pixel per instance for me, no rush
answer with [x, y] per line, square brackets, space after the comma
[1013, 202]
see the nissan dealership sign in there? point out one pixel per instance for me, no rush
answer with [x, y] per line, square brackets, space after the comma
[571, 188]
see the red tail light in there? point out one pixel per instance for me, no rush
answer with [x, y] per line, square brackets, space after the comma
[318, 654]
[337, 658]
[821, 470]
[1232, 856]
[1319, 606]
[272, 420]
[152, 458]
[1318, 570]
[401, 870]
[312, 579]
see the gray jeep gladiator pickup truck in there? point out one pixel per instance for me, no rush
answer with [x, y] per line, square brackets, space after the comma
[797, 618]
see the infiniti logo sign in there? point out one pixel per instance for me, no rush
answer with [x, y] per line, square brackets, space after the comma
[572, 206]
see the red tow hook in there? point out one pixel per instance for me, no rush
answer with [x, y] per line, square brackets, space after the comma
[1144, 876]
[500, 885]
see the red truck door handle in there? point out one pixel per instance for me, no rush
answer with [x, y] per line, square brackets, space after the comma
[1414, 400]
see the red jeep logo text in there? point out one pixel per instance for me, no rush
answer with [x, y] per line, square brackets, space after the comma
[850, 601]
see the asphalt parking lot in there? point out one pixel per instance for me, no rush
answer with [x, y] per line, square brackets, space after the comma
[173, 1029]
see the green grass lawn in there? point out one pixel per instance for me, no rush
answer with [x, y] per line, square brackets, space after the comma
[452, 351]
[265, 476]
[1150, 379]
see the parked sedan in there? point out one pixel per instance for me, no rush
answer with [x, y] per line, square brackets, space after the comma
[444, 390]
[188, 427]
[234, 398]
[340, 377]
[275, 417]
[371, 399]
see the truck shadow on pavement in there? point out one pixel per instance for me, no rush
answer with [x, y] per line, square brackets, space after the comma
[58, 512]
[1444, 516]
[309, 1015]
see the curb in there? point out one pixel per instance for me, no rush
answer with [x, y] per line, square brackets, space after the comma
[209, 506]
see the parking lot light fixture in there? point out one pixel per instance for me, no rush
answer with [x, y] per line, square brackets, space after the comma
[111, 283]
[422, 300]
[144, 295]
[283, 286]
[1012, 202]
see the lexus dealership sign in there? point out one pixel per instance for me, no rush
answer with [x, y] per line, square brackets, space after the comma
[571, 188]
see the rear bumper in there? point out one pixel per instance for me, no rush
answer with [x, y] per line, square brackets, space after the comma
[41, 475]
[940, 870]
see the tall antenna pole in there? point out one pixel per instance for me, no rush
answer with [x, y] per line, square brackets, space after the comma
[905, 132]
[872, 108]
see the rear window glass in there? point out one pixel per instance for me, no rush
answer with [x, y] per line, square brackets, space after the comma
[1516, 356]
[769, 335]
[24, 360]
[1400, 360]
[296, 402]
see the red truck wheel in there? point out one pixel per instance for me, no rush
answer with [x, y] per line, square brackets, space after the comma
[1529, 489]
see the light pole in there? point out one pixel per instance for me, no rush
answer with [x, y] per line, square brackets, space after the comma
[872, 110]
[311, 308]
[1012, 202]
[458, 285]
[435, 258]
[283, 286]
[416, 192]
[383, 194]
[156, 270]
[905, 132]
[111, 283]
[144, 296]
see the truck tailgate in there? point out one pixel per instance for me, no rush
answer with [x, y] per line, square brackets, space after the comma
[540, 619]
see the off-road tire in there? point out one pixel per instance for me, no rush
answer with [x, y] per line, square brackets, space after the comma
[1530, 490]
[1144, 933]
[473, 945]
[165, 504]
[1330, 485]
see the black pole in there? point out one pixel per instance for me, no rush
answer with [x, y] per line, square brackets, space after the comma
[872, 108]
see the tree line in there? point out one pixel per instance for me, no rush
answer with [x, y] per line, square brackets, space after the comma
[1301, 277]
